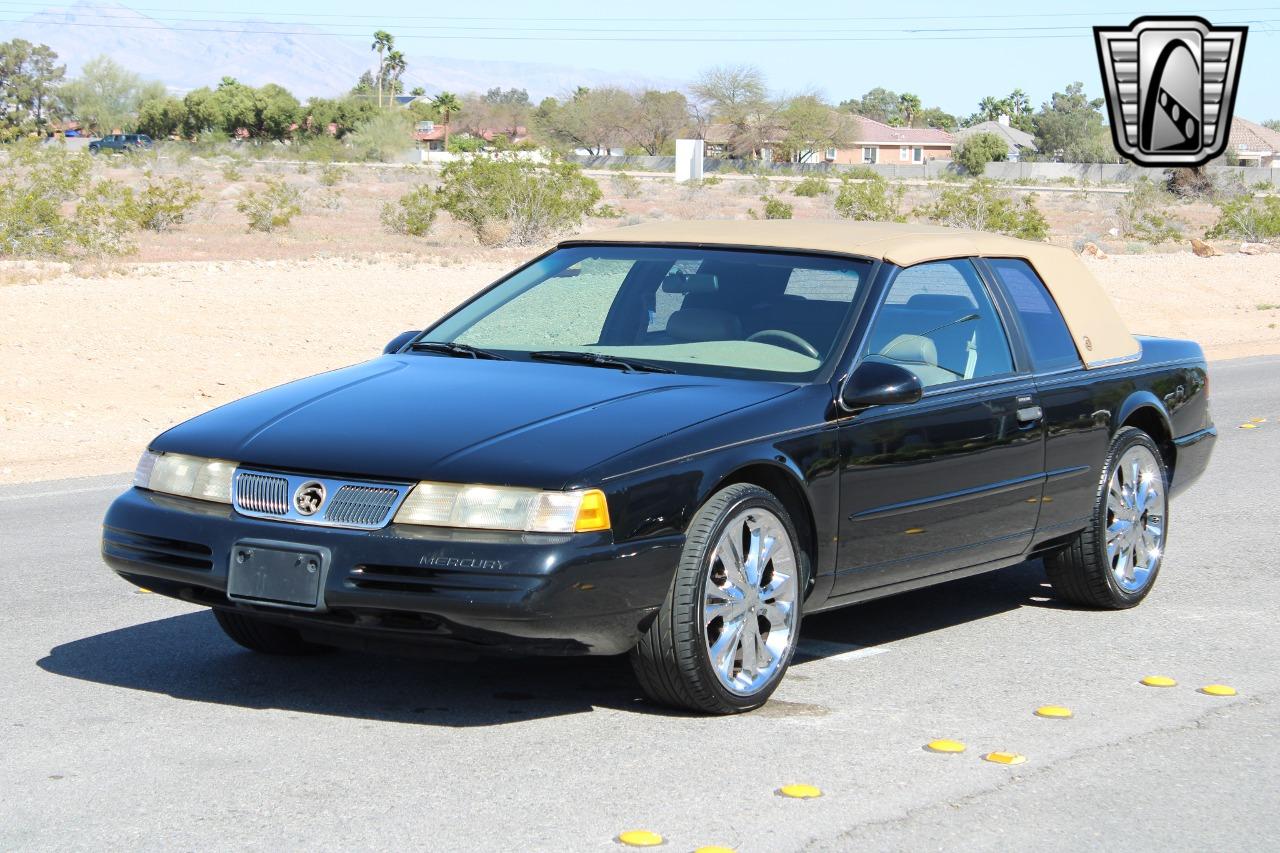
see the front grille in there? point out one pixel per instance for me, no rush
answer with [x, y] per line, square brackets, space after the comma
[156, 550]
[262, 493]
[362, 506]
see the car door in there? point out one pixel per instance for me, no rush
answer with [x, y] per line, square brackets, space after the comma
[954, 479]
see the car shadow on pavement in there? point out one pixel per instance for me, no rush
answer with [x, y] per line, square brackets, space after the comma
[188, 657]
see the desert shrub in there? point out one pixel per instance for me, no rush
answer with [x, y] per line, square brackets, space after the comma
[776, 208]
[331, 174]
[859, 173]
[870, 199]
[812, 186]
[1144, 215]
[976, 151]
[383, 138]
[233, 170]
[627, 186]
[35, 185]
[162, 204]
[271, 207]
[328, 199]
[607, 211]
[712, 181]
[1191, 183]
[1255, 219]
[982, 206]
[413, 213]
[505, 200]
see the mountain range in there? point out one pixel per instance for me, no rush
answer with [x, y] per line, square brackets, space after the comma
[305, 59]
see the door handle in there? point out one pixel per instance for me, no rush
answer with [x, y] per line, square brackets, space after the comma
[1029, 414]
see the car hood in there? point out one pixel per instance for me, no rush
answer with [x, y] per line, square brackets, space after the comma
[424, 417]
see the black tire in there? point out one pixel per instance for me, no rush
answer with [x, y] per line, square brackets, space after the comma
[264, 637]
[1081, 572]
[671, 660]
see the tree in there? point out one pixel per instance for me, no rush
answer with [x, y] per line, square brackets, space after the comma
[383, 41]
[1070, 126]
[275, 112]
[936, 117]
[976, 151]
[503, 110]
[342, 114]
[417, 91]
[393, 69]
[1016, 106]
[734, 95]
[908, 108]
[810, 125]
[1273, 123]
[593, 119]
[879, 104]
[162, 117]
[29, 76]
[106, 95]
[656, 118]
[447, 105]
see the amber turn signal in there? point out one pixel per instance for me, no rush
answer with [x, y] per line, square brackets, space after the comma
[593, 512]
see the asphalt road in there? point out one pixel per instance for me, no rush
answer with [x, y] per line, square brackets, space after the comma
[128, 721]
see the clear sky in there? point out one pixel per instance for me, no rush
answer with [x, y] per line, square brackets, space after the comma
[949, 53]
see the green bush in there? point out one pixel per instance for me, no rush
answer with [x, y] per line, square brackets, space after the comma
[976, 151]
[1255, 219]
[627, 186]
[506, 200]
[160, 205]
[272, 207]
[712, 181]
[413, 213]
[36, 184]
[870, 199]
[812, 186]
[233, 171]
[776, 208]
[607, 211]
[383, 138]
[331, 174]
[982, 206]
[1144, 215]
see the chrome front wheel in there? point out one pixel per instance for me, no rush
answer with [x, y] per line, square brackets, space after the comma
[1135, 518]
[749, 601]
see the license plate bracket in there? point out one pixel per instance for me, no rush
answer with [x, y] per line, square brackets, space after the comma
[278, 574]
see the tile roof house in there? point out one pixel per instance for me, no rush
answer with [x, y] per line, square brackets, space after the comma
[876, 142]
[430, 135]
[1017, 141]
[1252, 144]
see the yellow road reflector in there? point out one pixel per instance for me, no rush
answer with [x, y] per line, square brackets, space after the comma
[639, 838]
[799, 792]
[1218, 690]
[142, 590]
[944, 745]
[913, 531]
[1158, 681]
[1257, 420]
[715, 849]
[1056, 712]
[1248, 426]
[1005, 758]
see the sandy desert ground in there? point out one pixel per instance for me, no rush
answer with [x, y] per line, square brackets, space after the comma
[96, 359]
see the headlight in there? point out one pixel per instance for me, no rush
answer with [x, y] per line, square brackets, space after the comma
[501, 508]
[188, 476]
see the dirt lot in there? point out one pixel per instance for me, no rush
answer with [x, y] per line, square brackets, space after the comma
[95, 359]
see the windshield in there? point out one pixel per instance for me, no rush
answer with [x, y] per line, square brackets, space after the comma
[762, 315]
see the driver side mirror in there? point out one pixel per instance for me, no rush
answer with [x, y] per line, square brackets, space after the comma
[875, 383]
[397, 343]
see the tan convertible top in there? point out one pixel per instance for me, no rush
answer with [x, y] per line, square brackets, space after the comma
[1100, 335]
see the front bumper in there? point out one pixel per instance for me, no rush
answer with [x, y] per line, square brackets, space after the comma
[462, 591]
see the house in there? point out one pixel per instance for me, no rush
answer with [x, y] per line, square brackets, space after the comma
[876, 142]
[1253, 144]
[1018, 142]
[430, 135]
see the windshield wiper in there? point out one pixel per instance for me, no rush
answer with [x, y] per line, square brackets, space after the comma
[457, 350]
[595, 359]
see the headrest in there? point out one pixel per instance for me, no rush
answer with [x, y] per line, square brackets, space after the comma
[678, 282]
[704, 324]
[916, 349]
[941, 302]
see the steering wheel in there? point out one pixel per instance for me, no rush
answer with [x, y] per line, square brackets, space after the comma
[787, 339]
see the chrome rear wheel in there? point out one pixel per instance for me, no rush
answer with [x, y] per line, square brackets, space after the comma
[1135, 518]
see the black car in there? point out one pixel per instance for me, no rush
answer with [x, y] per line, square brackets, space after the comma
[672, 441]
[120, 142]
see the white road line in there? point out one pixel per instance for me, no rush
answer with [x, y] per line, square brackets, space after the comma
[29, 495]
[827, 651]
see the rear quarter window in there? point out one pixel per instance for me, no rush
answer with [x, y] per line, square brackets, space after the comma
[1048, 338]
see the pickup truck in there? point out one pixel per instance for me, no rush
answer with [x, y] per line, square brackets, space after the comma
[120, 142]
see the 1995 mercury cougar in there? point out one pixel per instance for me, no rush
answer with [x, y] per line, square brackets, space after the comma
[674, 440]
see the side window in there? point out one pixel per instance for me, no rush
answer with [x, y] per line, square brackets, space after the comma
[938, 321]
[1048, 338]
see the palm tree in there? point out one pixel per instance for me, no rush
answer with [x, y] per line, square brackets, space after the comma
[383, 41]
[395, 66]
[446, 104]
[909, 105]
